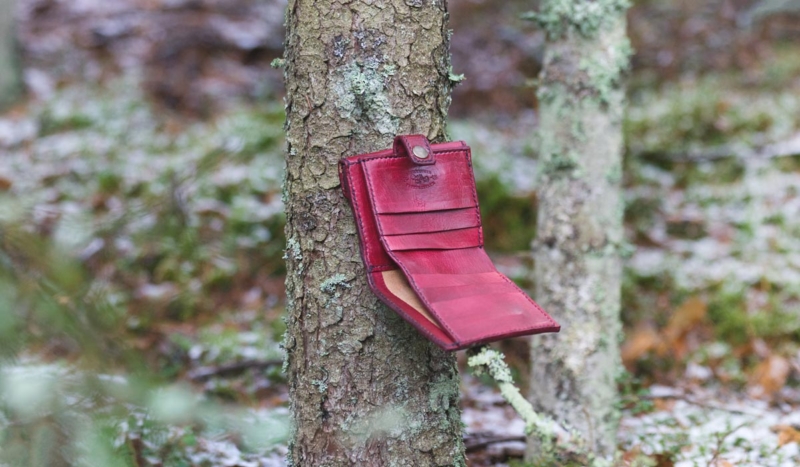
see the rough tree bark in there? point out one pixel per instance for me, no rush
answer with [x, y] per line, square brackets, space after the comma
[579, 237]
[366, 388]
[10, 81]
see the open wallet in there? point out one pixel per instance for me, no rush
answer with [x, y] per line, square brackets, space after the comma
[417, 214]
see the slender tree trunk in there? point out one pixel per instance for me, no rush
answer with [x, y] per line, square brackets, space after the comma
[579, 237]
[10, 82]
[366, 388]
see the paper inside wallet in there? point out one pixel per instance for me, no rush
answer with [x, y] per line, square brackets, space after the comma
[398, 285]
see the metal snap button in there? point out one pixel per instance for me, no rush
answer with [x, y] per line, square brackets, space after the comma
[420, 152]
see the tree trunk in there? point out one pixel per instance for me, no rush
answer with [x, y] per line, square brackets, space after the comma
[10, 82]
[579, 236]
[366, 388]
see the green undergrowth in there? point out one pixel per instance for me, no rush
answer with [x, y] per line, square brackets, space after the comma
[172, 219]
[715, 109]
[705, 112]
[709, 219]
[137, 251]
[737, 320]
[733, 246]
[76, 390]
[509, 220]
[52, 415]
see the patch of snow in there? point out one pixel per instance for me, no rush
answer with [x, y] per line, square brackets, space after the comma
[698, 433]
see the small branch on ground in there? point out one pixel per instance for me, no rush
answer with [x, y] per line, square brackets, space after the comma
[680, 395]
[757, 150]
[206, 372]
[721, 437]
[478, 445]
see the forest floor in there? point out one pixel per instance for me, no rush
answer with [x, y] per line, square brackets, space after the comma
[138, 240]
[93, 174]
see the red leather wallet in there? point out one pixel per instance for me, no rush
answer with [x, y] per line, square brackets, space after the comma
[422, 244]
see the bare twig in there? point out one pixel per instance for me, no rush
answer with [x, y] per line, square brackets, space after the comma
[477, 446]
[721, 440]
[705, 404]
[762, 150]
[206, 372]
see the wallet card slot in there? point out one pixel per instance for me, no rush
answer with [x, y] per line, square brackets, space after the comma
[463, 261]
[428, 281]
[443, 294]
[448, 240]
[469, 316]
[431, 221]
[420, 202]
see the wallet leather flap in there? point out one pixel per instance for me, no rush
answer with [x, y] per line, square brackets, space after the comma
[397, 185]
[469, 297]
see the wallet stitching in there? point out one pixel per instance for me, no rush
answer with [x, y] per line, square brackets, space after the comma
[353, 198]
[424, 299]
[468, 154]
[359, 220]
[447, 345]
[480, 240]
[535, 305]
[357, 212]
[416, 160]
[367, 158]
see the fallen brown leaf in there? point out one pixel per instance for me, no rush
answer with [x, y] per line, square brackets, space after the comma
[770, 376]
[631, 456]
[642, 340]
[664, 405]
[5, 183]
[685, 318]
[787, 434]
[636, 457]
[664, 460]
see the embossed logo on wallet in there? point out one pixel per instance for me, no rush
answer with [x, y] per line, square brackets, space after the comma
[421, 178]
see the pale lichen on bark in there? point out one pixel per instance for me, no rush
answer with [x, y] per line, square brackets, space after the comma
[559, 18]
[555, 442]
[366, 388]
[579, 232]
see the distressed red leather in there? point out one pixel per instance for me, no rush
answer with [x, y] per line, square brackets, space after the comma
[417, 214]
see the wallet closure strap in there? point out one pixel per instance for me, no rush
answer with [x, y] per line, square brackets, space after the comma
[416, 147]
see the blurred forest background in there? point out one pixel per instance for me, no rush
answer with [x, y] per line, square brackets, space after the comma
[141, 229]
